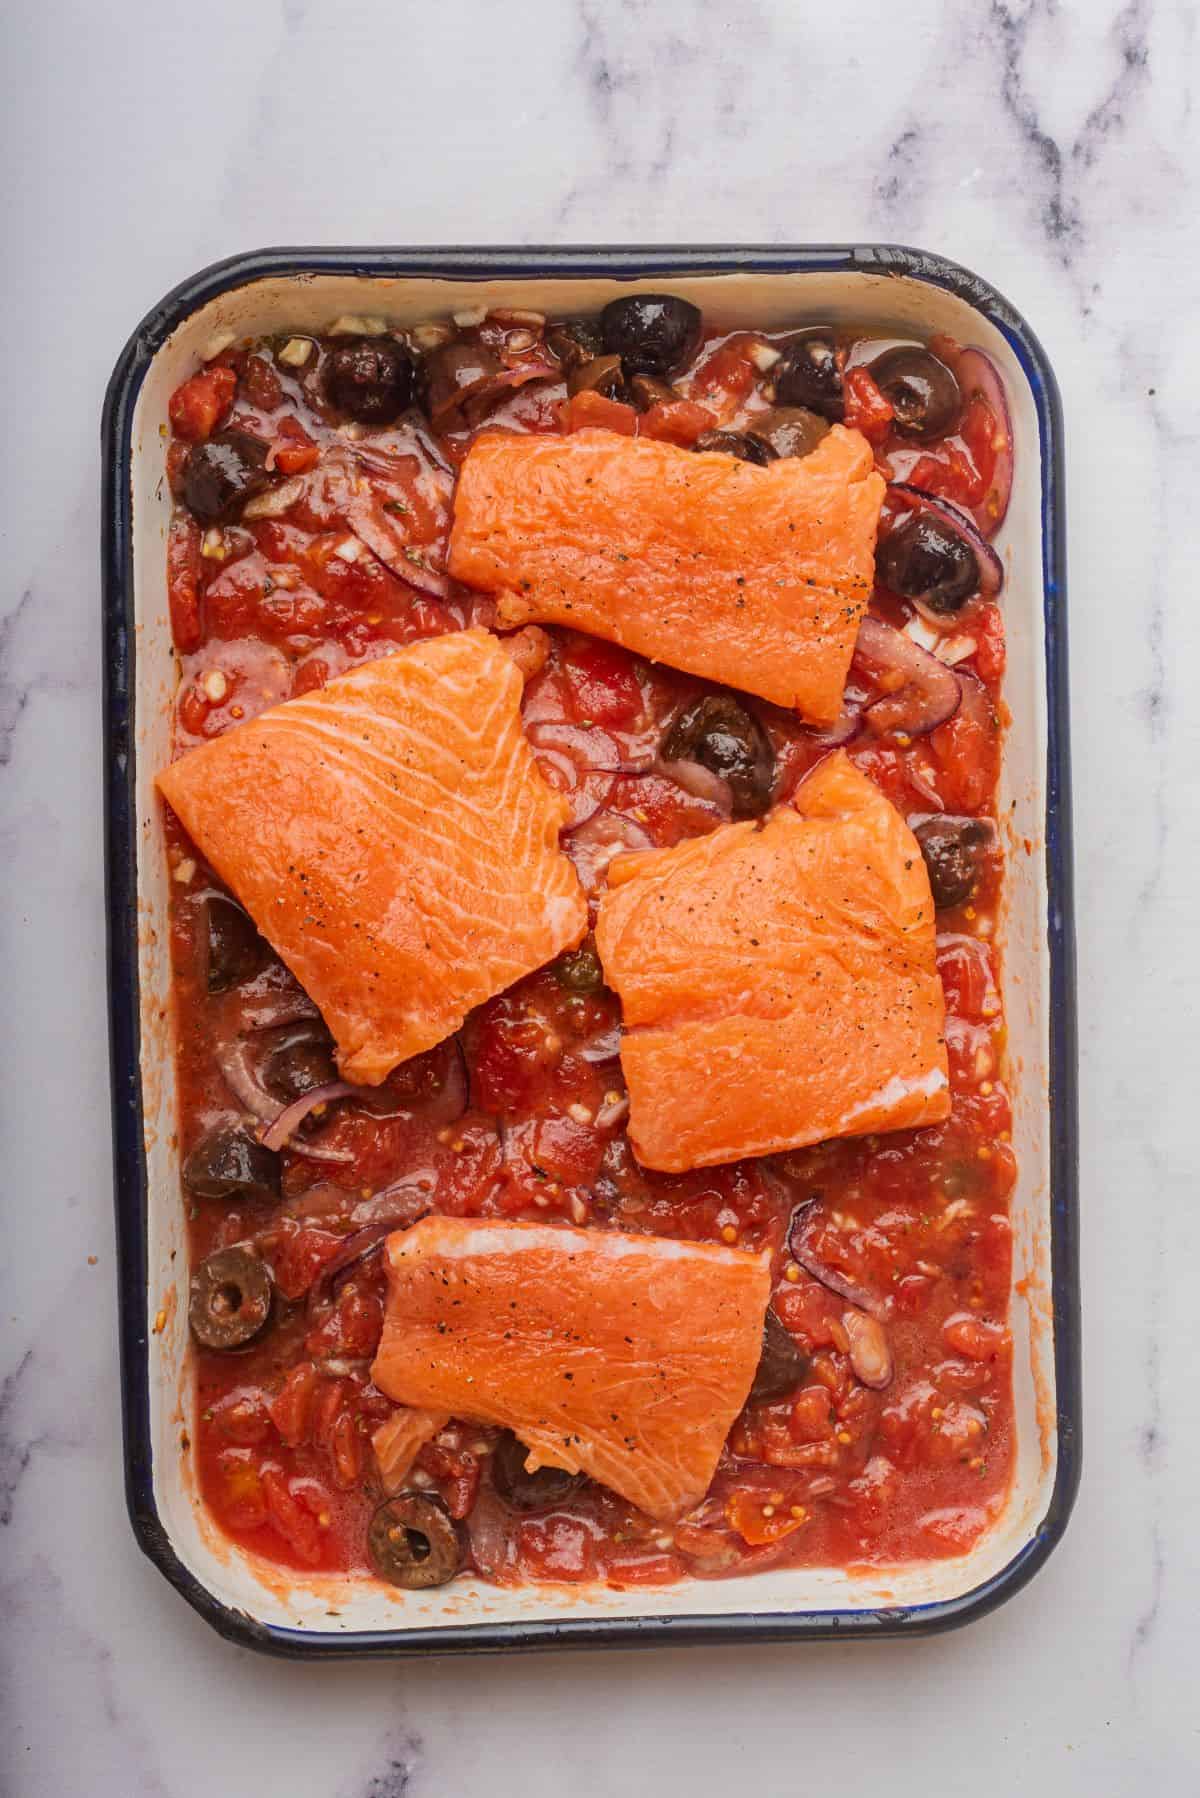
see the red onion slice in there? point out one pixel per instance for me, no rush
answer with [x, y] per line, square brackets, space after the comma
[829, 1277]
[844, 729]
[602, 1048]
[991, 568]
[277, 1134]
[919, 692]
[233, 1059]
[357, 1247]
[977, 373]
[580, 764]
[700, 782]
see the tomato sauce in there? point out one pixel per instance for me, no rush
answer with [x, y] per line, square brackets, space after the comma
[523, 1114]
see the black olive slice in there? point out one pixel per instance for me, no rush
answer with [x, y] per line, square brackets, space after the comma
[230, 1299]
[371, 379]
[747, 446]
[723, 736]
[922, 392]
[807, 375]
[413, 1543]
[653, 333]
[229, 1162]
[235, 950]
[522, 1491]
[953, 850]
[922, 558]
[222, 474]
[781, 1366]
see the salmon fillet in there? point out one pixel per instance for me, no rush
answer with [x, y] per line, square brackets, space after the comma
[623, 1357]
[756, 577]
[392, 838]
[778, 981]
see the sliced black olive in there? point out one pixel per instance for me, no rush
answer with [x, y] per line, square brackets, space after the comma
[413, 1543]
[807, 374]
[922, 558]
[230, 1163]
[523, 1491]
[230, 1299]
[297, 1057]
[722, 735]
[370, 379]
[791, 430]
[575, 341]
[235, 950]
[601, 374]
[462, 382]
[922, 392]
[647, 390]
[747, 446]
[653, 333]
[781, 1366]
[579, 970]
[954, 851]
[222, 474]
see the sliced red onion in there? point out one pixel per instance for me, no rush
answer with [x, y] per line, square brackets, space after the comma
[953, 650]
[354, 1250]
[977, 374]
[700, 782]
[583, 762]
[844, 729]
[919, 691]
[237, 1071]
[991, 568]
[976, 702]
[602, 1048]
[829, 1277]
[599, 840]
[294, 1114]
[277, 1008]
[313, 1151]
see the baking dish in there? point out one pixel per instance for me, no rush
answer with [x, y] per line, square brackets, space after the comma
[264, 1606]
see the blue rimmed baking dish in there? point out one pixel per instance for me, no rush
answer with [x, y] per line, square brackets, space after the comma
[254, 1604]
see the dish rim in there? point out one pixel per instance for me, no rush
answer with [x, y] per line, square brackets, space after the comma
[130, 1178]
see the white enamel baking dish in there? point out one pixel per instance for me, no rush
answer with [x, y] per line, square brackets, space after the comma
[261, 1604]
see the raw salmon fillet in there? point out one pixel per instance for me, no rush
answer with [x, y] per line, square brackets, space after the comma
[623, 1357]
[778, 981]
[756, 577]
[392, 838]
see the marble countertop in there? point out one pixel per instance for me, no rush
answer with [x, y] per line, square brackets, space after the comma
[1053, 148]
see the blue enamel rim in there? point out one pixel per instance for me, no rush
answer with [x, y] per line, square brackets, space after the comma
[129, 1159]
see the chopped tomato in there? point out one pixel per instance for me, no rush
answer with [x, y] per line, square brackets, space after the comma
[198, 406]
[866, 408]
[991, 651]
[603, 686]
[292, 1404]
[760, 1517]
[724, 377]
[295, 451]
[557, 1548]
[676, 421]
[300, 1257]
[183, 583]
[290, 1509]
[457, 1473]
[588, 408]
[261, 384]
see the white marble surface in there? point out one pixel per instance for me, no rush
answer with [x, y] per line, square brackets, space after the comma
[1054, 147]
